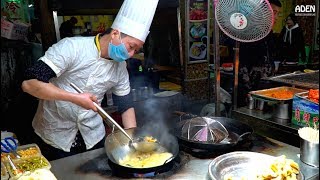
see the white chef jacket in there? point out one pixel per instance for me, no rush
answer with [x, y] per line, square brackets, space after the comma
[77, 60]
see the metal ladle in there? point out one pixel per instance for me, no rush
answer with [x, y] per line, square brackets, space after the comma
[138, 144]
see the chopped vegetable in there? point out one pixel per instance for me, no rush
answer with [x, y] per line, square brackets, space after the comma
[313, 95]
[280, 168]
[32, 151]
[31, 164]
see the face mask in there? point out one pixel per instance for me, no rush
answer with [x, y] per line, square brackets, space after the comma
[118, 53]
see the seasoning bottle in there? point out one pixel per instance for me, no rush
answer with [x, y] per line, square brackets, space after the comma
[150, 90]
[145, 93]
[134, 94]
[260, 105]
[109, 98]
[250, 102]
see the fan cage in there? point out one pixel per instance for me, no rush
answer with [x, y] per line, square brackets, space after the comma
[258, 12]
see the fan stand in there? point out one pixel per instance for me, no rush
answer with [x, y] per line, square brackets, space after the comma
[217, 69]
[236, 75]
[239, 23]
[216, 50]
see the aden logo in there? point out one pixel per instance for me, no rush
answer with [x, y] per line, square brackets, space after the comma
[305, 10]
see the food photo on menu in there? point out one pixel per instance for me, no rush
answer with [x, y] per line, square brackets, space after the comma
[198, 30]
[198, 50]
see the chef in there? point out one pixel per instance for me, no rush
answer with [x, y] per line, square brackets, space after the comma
[66, 122]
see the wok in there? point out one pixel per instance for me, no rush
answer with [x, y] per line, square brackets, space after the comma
[117, 147]
[238, 133]
[139, 143]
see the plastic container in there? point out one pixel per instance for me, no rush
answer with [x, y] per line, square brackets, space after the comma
[25, 151]
[38, 174]
[21, 163]
[4, 173]
[304, 112]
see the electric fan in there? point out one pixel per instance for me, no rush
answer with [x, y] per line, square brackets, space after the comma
[243, 21]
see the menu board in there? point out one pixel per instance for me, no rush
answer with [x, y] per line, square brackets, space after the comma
[15, 10]
[197, 27]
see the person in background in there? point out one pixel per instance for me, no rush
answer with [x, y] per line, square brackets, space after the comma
[67, 27]
[256, 60]
[292, 41]
[66, 122]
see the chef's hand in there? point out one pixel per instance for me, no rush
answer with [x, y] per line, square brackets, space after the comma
[86, 100]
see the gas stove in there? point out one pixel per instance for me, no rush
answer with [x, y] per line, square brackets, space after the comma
[166, 171]
[184, 156]
[208, 154]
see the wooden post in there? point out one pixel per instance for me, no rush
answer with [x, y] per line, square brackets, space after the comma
[48, 35]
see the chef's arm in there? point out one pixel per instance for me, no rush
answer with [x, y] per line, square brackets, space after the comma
[37, 84]
[125, 107]
[129, 118]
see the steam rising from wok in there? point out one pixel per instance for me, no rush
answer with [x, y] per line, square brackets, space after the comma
[157, 116]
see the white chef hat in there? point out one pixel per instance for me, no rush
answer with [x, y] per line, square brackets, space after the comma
[135, 17]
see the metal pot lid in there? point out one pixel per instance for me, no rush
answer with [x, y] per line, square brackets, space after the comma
[203, 129]
[235, 130]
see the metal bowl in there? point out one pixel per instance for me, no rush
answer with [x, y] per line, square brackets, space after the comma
[240, 165]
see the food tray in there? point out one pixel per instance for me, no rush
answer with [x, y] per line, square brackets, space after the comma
[240, 165]
[266, 93]
[4, 173]
[19, 162]
[23, 148]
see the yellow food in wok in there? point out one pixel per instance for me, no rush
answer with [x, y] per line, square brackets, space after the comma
[145, 160]
[150, 139]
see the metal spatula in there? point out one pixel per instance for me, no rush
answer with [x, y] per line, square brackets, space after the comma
[104, 114]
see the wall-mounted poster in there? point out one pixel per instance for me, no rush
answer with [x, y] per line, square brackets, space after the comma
[197, 28]
[198, 10]
[197, 31]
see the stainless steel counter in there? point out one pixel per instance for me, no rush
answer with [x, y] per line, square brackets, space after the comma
[299, 79]
[264, 124]
[93, 164]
